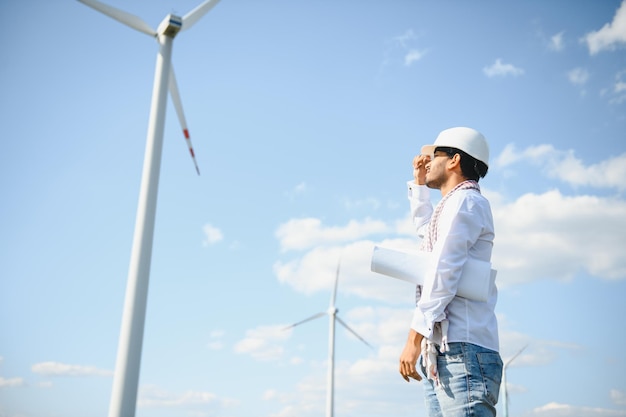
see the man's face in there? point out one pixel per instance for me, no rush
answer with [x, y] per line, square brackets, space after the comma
[436, 173]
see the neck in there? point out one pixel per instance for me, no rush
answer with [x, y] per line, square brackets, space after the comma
[452, 182]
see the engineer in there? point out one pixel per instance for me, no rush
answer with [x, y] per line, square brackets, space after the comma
[455, 339]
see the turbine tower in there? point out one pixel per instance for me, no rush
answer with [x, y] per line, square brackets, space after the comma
[332, 317]
[126, 378]
[506, 392]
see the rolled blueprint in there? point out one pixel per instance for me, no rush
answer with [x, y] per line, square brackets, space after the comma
[476, 280]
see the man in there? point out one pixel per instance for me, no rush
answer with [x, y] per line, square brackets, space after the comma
[455, 338]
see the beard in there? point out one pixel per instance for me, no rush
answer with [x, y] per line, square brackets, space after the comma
[434, 182]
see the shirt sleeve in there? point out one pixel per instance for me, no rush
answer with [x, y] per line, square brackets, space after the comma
[421, 207]
[460, 225]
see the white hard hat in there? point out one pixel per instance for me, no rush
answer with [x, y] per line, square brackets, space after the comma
[468, 140]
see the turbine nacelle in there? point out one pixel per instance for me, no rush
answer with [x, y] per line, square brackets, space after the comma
[170, 26]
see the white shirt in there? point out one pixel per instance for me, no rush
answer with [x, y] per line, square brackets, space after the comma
[465, 229]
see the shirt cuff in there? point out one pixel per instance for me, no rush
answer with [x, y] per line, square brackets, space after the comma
[421, 325]
[416, 191]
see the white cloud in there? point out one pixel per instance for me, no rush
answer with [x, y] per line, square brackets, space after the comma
[11, 382]
[370, 203]
[62, 369]
[383, 326]
[556, 42]
[618, 92]
[555, 236]
[610, 36]
[564, 165]
[217, 333]
[215, 342]
[270, 395]
[499, 69]
[151, 396]
[618, 397]
[300, 234]
[413, 56]
[316, 270]
[578, 76]
[264, 342]
[300, 188]
[534, 352]
[212, 235]
[405, 38]
[606, 174]
[555, 409]
[510, 154]
[215, 345]
[403, 44]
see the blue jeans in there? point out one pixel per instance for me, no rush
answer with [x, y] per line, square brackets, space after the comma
[469, 382]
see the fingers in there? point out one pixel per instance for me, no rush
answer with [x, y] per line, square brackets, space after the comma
[416, 161]
[420, 160]
[408, 371]
[423, 160]
[419, 168]
[404, 374]
[413, 375]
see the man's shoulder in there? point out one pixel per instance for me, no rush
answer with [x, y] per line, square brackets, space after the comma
[469, 194]
[470, 199]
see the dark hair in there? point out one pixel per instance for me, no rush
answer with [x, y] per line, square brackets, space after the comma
[472, 168]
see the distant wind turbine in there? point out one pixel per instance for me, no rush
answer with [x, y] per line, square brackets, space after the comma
[506, 392]
[332, 316]
[126, 378]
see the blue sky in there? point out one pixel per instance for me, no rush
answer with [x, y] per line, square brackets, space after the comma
[305, 116]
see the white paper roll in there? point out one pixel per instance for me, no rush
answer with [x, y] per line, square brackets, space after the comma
[476, 278]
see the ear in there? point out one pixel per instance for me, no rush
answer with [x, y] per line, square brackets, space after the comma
[455, 161]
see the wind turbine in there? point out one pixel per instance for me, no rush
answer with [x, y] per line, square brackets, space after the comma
[506, 392]
[126, 378]
[332, 316]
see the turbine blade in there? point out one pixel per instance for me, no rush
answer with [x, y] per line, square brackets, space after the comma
[121, 16]
[307, 319]
[515, 356]
[196, 14]
[178, 105]
[352, 331]
[334, 295]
